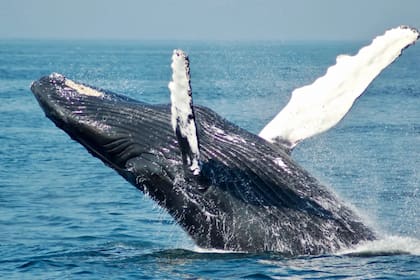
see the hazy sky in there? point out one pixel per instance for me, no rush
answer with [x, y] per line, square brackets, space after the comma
[208, 20]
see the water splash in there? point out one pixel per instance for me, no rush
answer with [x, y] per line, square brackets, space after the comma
[198, 249]
[388, 245]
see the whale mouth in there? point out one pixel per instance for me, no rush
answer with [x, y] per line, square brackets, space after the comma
[61, 98]
[60, 81]
[69, 106]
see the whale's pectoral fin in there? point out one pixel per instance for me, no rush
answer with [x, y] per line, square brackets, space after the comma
[316, 108]
[183, 119]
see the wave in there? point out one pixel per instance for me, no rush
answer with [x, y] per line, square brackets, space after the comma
[197, 249]
[388, 245]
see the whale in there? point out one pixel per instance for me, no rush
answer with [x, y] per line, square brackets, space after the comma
[228, 188]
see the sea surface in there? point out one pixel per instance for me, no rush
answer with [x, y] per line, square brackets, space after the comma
[65, 215]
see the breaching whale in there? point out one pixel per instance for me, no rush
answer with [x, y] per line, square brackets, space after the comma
[226, 187]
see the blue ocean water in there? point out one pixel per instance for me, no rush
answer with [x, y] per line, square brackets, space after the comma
[63, 214]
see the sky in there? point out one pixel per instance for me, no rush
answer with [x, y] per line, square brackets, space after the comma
[279, 20]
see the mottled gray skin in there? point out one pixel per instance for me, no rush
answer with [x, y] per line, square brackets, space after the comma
[250, 196]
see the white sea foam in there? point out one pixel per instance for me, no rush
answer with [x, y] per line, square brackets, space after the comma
[214, 251]
[386, 246]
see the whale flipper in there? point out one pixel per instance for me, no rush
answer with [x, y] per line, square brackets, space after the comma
[316, 108]
[182, 112]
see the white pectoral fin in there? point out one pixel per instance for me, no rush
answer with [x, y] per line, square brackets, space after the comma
[183, 119]
[316, 108]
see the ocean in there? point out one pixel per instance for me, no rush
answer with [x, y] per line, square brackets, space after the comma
[65, 215]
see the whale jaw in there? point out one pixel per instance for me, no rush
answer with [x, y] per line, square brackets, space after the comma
[105, 124]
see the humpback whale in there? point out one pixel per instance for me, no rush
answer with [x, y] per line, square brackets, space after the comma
[227, 188]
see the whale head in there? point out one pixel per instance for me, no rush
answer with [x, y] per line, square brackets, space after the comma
[131, 137]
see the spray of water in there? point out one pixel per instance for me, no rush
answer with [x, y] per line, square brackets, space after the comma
[388, 245]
